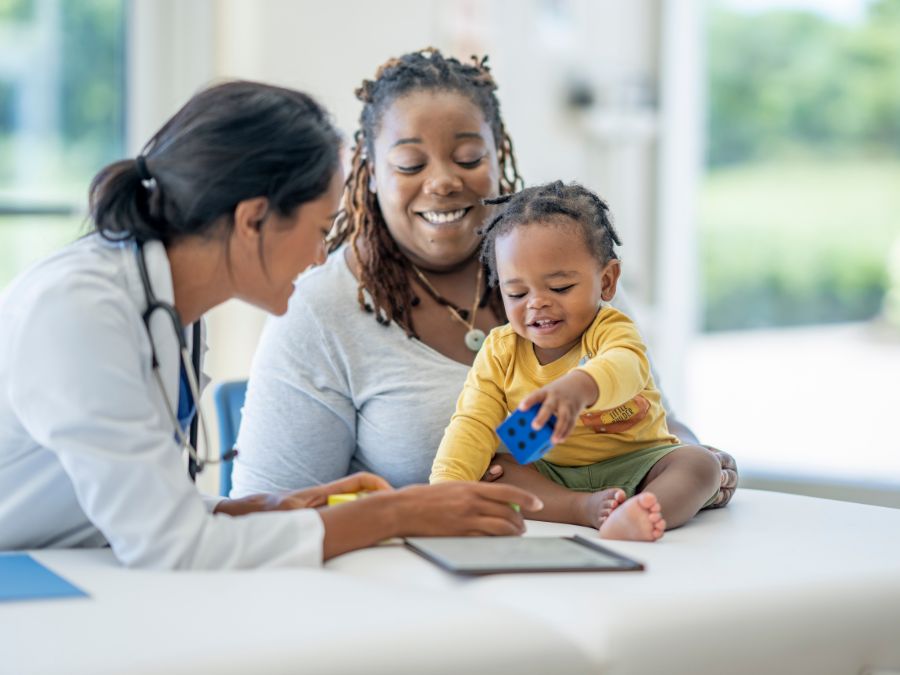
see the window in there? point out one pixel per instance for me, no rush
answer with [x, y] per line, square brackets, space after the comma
[62, 117]
[799, 224]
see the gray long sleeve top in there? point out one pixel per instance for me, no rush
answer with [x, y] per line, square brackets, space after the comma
[332, 392]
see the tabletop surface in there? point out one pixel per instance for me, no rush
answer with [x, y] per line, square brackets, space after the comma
[772, 582]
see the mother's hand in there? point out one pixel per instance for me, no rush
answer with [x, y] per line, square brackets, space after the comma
[494, 472]
[729, 480]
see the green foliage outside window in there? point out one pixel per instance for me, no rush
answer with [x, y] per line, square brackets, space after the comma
[88, 71]
[802, 198]
[16, 10]
[93, 83]
[90, 37]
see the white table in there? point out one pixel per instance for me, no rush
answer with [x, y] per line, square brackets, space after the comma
[291, 621]
[774, 583]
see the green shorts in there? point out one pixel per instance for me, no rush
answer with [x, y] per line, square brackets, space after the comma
[625, 471]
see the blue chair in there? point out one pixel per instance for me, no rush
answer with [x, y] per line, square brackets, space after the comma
[229, 399]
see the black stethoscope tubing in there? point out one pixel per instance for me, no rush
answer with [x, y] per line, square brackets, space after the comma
[191, 366]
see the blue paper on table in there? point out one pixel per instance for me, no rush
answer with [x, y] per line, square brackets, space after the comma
[24, 578]
[524, 443]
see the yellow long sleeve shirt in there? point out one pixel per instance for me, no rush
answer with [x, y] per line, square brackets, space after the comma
[626, 417]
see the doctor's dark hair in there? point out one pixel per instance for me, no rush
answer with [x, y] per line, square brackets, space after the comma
[230, 142]
[554, 204]
[383, 269]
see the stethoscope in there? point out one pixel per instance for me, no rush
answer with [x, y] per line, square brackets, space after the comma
[190, 369]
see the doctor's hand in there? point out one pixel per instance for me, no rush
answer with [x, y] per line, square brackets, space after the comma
[463, 508]
[565, 398]
[318, 495]
[447, 509]
[302, 499]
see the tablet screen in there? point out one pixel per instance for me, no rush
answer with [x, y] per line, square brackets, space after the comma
[494, 555]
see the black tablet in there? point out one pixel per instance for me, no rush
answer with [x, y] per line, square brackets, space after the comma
[505, 555]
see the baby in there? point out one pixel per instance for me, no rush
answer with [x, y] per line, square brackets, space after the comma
[614, 464]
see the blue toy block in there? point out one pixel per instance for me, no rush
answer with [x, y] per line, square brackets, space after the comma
[524, 443]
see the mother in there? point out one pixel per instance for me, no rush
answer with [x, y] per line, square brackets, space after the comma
[364, 370]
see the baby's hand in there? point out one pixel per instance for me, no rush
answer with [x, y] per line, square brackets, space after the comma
[565, 398]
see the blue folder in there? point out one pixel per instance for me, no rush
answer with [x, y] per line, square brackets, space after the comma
[24, 578]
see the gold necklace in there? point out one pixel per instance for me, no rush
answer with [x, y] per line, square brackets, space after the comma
[474, 337]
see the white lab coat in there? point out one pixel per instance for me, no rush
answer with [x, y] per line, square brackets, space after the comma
[87, 449]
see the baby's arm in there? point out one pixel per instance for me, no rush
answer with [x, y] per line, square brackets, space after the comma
[470, 440]
[617, 372]
[565, 397]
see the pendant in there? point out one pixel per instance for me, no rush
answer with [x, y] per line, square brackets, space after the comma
[474, 339]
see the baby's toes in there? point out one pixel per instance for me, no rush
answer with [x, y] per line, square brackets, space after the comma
[647, 501]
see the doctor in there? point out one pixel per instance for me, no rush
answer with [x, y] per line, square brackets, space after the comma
[232, 198]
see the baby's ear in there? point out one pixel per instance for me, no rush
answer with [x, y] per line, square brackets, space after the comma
[609, 279]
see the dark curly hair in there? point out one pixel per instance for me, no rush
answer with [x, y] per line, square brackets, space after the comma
[384, 270]
[554, 203]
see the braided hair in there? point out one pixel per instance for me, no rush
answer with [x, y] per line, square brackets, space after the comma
[383, 269]
[555, 203]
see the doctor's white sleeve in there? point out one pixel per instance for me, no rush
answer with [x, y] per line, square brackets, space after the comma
[81, 385]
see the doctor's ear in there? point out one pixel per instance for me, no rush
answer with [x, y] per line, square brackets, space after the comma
[249, 216]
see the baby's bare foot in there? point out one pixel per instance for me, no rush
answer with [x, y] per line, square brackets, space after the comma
[600, 504]
[638, 519]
